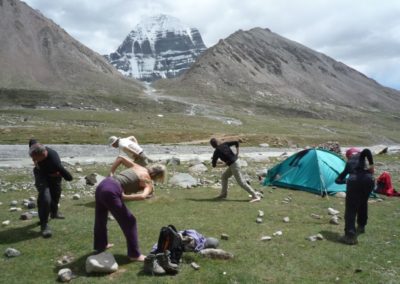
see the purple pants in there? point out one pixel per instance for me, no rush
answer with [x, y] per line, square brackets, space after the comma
[109, 198]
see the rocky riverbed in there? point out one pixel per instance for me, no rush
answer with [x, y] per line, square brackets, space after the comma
[16, 156]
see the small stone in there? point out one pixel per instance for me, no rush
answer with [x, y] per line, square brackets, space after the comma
[319, 237]
[78, 170]
[224, 237]
[332, 211]
[259, 220]
[26, 216]
[316, 216]
[6, 223]
[334, 220]
[76, 196]
[64, 275]
[266, 238]
[260, 213]
[216, 253]
[12, 252]
[195, 266]
[278, 233]
[312, 238]
[286, 219]
[31, 205]
[13, 203]
[111, 217]
[32, 198]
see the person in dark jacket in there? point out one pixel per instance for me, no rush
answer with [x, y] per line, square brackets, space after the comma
[358, 176]
[224, 152]
[48, 173]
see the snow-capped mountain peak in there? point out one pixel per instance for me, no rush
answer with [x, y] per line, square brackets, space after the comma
[160, 46]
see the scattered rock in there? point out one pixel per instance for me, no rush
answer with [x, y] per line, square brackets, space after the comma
[216, 253]
[26, 216]
[195, 266]
[199, 168]
[278, 233]
[79, 170]
[341, 194]
[93, 179]
[286, 219]
[332, 211]
[66, 259]
[183, 180]
[316, 237]
[14, 203]
[260, 213]
[64, 275]
[103, 263]
[15, 209]
[316, 216]
[5, 223]
[12, 252]
[224, 237]
[174, 161]
[266, 238]
[76, 196]
[259, 220]
[334, 220]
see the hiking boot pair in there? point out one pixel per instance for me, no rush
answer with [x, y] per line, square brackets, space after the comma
[151, 266]
[349, 240]
[164, 261]
[45, 231]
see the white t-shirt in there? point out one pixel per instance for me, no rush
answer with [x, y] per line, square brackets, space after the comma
[124, 144]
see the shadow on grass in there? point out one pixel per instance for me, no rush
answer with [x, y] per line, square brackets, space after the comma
[20, 234]
[331, 236]
[216, 200]
[91, 204]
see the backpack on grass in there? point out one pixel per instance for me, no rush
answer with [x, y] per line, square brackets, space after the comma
[169, 239]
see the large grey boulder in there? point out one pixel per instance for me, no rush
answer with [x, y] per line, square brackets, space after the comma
[102, 263]
[183, 180]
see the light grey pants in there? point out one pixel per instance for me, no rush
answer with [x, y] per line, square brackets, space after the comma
[142, 159]
[234, 170]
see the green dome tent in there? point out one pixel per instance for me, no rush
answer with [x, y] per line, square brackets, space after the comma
[312, 170]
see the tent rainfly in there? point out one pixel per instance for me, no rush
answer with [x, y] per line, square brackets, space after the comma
[312, 170]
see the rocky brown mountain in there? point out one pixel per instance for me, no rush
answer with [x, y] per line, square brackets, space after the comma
[40, 63]
[258, 71]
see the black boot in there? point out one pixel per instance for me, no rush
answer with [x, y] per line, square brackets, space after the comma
[349, 239]
[45, 231]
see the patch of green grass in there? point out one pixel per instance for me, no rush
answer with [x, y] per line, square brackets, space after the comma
[289, 258]
[159, 127]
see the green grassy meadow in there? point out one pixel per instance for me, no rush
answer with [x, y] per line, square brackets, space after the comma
[61, 126]
[289, 258]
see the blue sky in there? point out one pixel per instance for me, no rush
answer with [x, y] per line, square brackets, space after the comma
[364, 34]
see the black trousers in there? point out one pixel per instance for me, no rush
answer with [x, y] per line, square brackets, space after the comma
[49, 192]
[359, 188]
